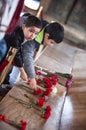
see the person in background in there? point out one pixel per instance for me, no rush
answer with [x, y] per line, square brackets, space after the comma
[24, 33]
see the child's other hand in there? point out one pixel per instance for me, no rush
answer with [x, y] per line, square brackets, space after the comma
[24, 76]
[32, 83]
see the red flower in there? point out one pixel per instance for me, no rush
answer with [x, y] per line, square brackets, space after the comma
[38, 73]
[48, 108]
[48, 82]
[1, 117]
[38, 91]
[47, 115]
[46, 112]
[21, 125]
[40, 102]
[24, 124]
[53, 80]
[48, 91]
[4, 118]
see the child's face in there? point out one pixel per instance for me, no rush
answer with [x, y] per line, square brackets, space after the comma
[30, 32]
[48, 41]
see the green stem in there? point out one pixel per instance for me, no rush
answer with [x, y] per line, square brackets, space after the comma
[23, 102]
[24, 86]
[13, 123]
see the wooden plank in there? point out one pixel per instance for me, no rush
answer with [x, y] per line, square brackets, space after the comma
[16, 111]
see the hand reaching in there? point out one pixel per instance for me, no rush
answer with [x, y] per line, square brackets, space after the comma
[32, 83]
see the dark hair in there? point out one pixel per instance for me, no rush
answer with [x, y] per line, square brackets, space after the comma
[26, 14]
[32, 20]
[23, 18]
[44, 23]
[55, 31]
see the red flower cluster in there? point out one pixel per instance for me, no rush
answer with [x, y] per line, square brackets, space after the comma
[46, 112]
[22, 125]
[3, 118]
[48, 82]
[40, 102]
[53, 80]
[38, 73]
[38, 91]
[47, 92]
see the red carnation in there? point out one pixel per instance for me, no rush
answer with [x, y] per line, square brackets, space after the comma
[38, 91]
[47, 115]
[4, 118]
[48, 91]
[53, 80]
[40, 102]
[38, 73]
[24, 124]
[48, 82]
[1, 117]
[48, 108]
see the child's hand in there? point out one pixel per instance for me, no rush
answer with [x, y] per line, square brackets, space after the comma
[32, 83]
[23, 74]
[24, 77]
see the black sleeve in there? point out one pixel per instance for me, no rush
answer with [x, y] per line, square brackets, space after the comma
[18, 59]
[15, 38]
[44, 23]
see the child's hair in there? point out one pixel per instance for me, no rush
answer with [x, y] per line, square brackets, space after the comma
[32, 20]
[23, 18]
[55, 31]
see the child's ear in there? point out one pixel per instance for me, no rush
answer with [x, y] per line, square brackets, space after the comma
[23, 26]
[47, 35]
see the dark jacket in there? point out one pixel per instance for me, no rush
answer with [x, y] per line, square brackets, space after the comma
[15, 40]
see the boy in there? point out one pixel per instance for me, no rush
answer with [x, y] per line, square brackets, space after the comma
[52, 33]
[26, 32]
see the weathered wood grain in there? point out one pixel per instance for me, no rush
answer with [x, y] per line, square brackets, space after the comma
[16, 111]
